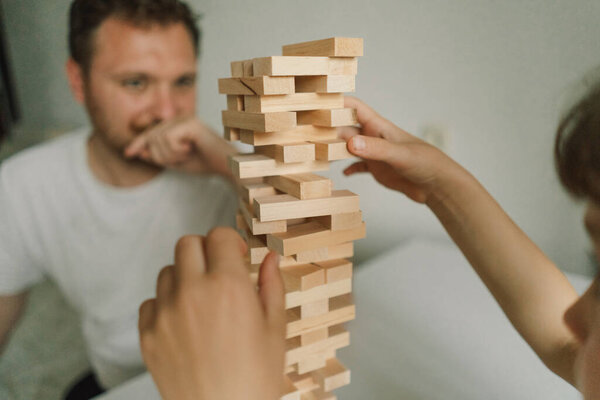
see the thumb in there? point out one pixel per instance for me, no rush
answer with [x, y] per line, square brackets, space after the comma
[136, 147]
[378, 149]
[271, 292]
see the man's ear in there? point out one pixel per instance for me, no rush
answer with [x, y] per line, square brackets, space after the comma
[76, 80]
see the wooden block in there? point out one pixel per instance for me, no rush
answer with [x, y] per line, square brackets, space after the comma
[283, 206]
[302, 186]
[289, 153]
[304, 383]
[302, 277]
[260, 85]
[235, 103]
[295, 135]
[329, 290]
[336, 270]
[341, 309]
[342, 66]
[331, 118]
[293, 102]
[313, 255]
[343, 250]
[237, 69]
[248, 68]
[331, 150]
[330, 47]
[310, 235]
[311, 363]
[317, 394]
[338, 222]
[325, 84]
[267, 122]
[333, 376]
[256, 248]
[295, 352]
[289, 390]
[314, 336]
[250, 191]
[232, 134]
[291, 66]
[261, 228]
[317, 308]
[253, 165]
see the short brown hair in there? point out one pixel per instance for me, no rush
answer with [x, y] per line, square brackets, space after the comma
[577, 147]
[85, 16]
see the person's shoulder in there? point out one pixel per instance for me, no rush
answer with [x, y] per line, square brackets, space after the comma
[46, 157]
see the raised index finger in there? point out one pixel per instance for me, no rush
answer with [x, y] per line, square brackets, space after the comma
[224, 251]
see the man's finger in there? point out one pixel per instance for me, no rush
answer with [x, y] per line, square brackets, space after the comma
[346, 132]
[165, 283]
[271, 292]
[190, 262]
[147, 315]
[373, 123]
[371, 148]
[136, 146]
[356, 168]
[225, 251]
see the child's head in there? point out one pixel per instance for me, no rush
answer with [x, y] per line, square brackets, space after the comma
[577, 152]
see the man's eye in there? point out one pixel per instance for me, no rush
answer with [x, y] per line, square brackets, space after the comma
[185, 82]
[136, 84]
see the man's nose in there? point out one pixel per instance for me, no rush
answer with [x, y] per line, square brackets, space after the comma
[164, 107]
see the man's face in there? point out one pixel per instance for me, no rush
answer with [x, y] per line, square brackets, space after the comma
[583, 318]
[138, 77]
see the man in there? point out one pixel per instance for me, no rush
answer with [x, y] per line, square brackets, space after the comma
[99, 210]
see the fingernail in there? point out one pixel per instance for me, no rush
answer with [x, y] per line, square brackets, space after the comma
[358, 143]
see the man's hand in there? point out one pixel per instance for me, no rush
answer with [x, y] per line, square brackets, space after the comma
[209, 334]
[185, 144]
[395, 158]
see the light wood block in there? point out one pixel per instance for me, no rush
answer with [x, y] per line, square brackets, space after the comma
[253, 165]
[289, 390]
[302, 186]
[333, 376]
[325, 84]
[248, 68]
[334, 289]
[311, 363]
[336, 270]
[341, 310]
[331, 118]
[293, 102]
[256, 248]
[304, 383]
[250, 191]
[237, 69]
[313, 255]
[260, 85]
[289, 153]
[295, 352]
[331, 150]
[235, 103]
[330, 47]
[284, 206]
[317, 308]
[338, 222]
[231, 134]
[318, 394]
[342, 66]
[302, 277]
[291, 66]
[343, 250]
[310, 235]
[295, 135]
[314, 336]
[262, 122]
[260, 228]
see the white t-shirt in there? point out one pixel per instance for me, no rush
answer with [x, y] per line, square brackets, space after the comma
[102, 245]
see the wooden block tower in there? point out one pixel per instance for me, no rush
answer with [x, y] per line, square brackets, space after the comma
[289, 108]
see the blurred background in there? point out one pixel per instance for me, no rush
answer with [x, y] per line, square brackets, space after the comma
[485, 80]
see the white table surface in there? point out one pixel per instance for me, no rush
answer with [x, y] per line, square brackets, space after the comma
[427, 328]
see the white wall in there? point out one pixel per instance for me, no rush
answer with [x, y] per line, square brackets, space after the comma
[495, 74]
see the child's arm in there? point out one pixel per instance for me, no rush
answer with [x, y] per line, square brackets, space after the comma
[531, 290]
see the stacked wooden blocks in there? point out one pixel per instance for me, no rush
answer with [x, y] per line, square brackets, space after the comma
[289, 108]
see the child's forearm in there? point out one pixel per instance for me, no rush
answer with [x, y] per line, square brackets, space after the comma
[531, 290]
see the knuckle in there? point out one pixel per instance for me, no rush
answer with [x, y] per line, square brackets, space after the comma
[186, 242]
[221, 233]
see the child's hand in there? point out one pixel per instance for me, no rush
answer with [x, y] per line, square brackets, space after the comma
[395, 158]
